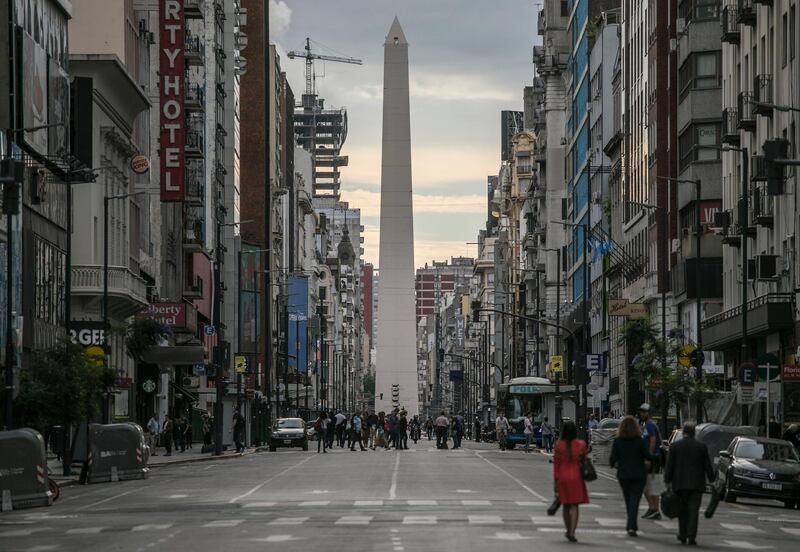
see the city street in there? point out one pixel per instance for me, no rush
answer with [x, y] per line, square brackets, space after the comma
[477, 498]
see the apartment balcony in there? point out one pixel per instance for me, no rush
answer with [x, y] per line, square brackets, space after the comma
[193, 9]
[730, 25]
[194, 233]
[552, 63]
[193, 289]
[195, 190]
[730, 126]
[758, 168]
[732, 236]
[195, 98]
[762, 207]
[195, 51]
[770, 313]
[762, 95]
[127, 292]
[747, 118]
[195, 142]
[746, 14]
[538, 54]
[540, 192]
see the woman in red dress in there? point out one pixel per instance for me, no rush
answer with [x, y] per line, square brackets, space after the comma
[570, 487]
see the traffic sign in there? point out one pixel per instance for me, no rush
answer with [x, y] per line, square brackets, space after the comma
[209, 330]
[684, 357]
[596, 362]
[747, 375]
[556, 363]
[240, 364]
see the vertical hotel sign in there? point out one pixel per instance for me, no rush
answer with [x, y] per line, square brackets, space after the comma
[172, 29]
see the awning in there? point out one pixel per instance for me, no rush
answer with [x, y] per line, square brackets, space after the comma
[174, 354]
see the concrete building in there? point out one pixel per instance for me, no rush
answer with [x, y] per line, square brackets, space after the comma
[435, 280]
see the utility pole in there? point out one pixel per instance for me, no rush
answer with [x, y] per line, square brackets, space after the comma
[697, 283]
[269, 357]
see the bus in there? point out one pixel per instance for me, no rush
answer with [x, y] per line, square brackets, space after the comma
[537, 395]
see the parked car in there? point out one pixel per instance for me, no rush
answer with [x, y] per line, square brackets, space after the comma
[758, 467]
[715, 436]
[311, 433]
[288, 432]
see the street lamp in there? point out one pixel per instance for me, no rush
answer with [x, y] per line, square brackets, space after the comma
[697, 279]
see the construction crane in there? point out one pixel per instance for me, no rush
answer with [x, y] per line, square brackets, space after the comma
[310, 57]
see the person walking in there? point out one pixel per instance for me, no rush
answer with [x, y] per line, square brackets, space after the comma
[166, 434]
[238, 431]
[773, 428]
[629, 455]
[569, 483]
[477, 426]
[429, 427]
[152, 434]
[331, 431]
[501, 425]
[206, 432]
[547, 435]
[402, 431]
[442, 423]
[688, 467]
[458, 433]
[355, 433]
[188, 434]
[341, 424]
[321, 428]
[527, 424]
[372, 424]
[653, 486]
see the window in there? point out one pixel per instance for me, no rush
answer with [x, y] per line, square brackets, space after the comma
[784, 39]
[700, 71]
[703, 134]
[699, 10]
[791, 32]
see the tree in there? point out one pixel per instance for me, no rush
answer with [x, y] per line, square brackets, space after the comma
[62, 386]
[141, 334]
[369, 384]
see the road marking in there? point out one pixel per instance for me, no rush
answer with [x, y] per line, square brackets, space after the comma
[529, 504]
[509, 537]
[368, 503]
[668, 525]
[617, 532]
[516, 480]
[276, 538]
[110, 498]
[38, 548]
[739, 528]
[288, 521]
[545, 520]
[317, 491]
[393, 488]
[22, 532]
[744, 545]
[353, 520]
[84, 530]
[476, 503]
[258, 505]
[485, 520]
[151, 527]
[422, 503]
[223, 523]
[791, 530]
[260, 485]
[419, 520]
[314, 503]
[611, 522]
[465, 491]
[178, 496]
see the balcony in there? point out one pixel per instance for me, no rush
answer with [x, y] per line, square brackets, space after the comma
[195, 97]
[730, 25]
[195, 51]
[193, 9]
[195, 142]
[762, 94]
[552, 63]
[746, 14]
[730, 126]
[538, 54]
[747, 118]
[758, 168]
[732, 236]
[762, 207]
[770, 313]
[195, 190]
[194, 234]
[193, 290]
[127, 293]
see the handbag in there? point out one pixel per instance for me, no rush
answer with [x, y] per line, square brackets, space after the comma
[588, 473]
[554, 506]
[670, 503]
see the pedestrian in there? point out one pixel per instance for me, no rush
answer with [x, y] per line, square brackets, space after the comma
[402, 431]
[206, 431]
[331, 432]
[593, 423]
[355, 433]
[653, 486]
[501, 425]
[238, 431]
[547, 435]
[166, 435]
[321, 429]
[569, 483]
[527, 424]
[477, 426]
[774, 428]
[341, 425]
[442, 424]
[688, 467]
[188, 434]
[393, 432]
[372, 423]
[429, 427]
[458, 434]
[630, 456]
[387, 438]
[792, 434]
[152, 434]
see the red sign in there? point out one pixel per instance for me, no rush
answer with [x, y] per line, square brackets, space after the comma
[707, 210]
[169, 314]
[790, 372]
[172, 29]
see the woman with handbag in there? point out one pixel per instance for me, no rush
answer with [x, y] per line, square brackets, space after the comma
[630, 456]
[568, 460]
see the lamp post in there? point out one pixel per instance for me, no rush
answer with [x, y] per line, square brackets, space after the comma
[697, 280]
[558, 328]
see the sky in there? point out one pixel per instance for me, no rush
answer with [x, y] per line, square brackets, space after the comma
[468, 60]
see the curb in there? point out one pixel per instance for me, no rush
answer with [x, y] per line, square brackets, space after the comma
[205, 458]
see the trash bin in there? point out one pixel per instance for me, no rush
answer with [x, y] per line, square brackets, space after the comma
[117, 452]
[23, 470]
[57, 440]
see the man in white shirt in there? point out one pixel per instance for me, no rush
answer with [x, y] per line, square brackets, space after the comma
[528, 431]
[152, 434]
[442, 424]
[340, 425]
[501, 426]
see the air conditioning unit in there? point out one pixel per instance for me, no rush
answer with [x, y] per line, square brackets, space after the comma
[766, 267]
[680, 25]
[191, 381]
[676, 245]
[597, 197]
[722, 219]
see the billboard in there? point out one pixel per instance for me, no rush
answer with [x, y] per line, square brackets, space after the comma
[33, 86]
[297, 309]
[249, 299]
[172, 30]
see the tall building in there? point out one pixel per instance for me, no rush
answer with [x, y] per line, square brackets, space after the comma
[438, 279]
[323, 132]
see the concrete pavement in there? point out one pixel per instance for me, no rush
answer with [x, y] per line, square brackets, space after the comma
[422, 499]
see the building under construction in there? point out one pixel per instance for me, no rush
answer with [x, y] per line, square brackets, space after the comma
[322, 132]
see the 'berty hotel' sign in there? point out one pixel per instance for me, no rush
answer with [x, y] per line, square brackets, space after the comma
[172, 28]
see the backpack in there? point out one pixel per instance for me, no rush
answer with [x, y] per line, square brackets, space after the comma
[317, 425]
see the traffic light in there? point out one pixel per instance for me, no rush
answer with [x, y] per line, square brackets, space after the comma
[441, 356]
[476, 307]
[11, 198]
[773, 150]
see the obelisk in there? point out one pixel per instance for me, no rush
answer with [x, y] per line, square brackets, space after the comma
[396, 363]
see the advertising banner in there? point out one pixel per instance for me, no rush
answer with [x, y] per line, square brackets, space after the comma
[298, 323]
[172, 29]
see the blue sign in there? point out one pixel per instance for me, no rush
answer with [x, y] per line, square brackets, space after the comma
[298, 323]
[748, 375]
[209, 330]
[525, 389]
[596, 363]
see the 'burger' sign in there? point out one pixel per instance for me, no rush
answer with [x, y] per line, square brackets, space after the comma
[172, 27]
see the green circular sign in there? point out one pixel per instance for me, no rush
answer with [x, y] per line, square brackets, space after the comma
[148, 386]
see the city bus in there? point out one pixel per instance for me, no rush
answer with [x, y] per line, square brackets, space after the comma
[537, 395]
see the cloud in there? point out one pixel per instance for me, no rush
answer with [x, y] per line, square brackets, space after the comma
[370, 203]
[280, 16]
[457, 87]
[425, 251]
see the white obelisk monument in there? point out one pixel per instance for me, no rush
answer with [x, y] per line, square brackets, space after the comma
[396, 363]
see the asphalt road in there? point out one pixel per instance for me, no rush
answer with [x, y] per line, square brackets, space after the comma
[478, 498]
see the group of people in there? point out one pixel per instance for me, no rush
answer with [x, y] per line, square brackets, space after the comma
[446, 427]
[175, 432]
[368, 430]
[502, 427]
[639, 460]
